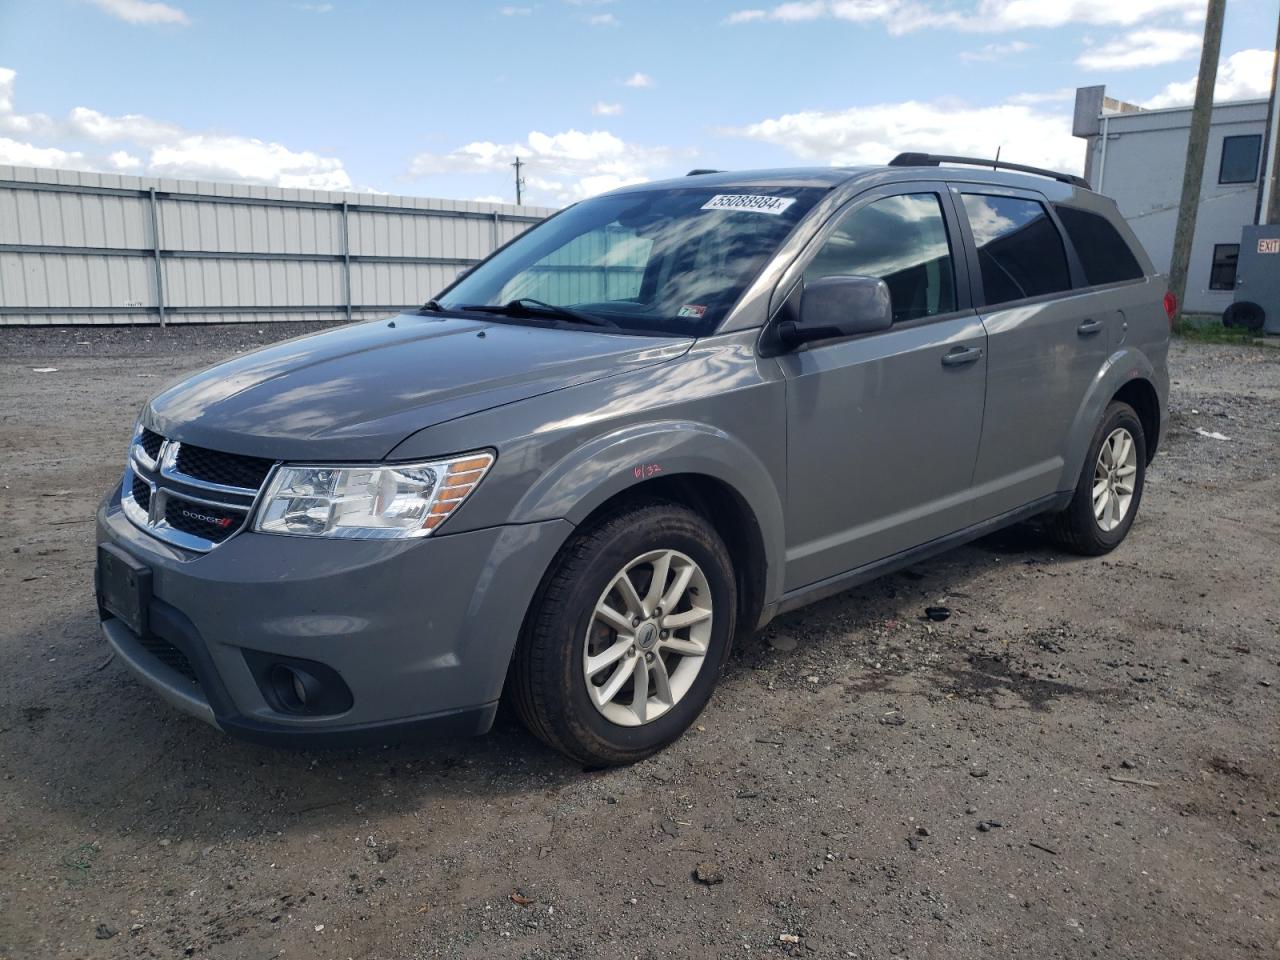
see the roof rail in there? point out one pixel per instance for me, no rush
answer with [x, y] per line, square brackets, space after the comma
[933, 160]
[700, 171]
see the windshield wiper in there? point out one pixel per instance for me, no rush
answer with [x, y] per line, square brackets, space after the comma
[528, 307]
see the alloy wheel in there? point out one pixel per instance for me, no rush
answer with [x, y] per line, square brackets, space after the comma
[648, 637]
[1113, 478]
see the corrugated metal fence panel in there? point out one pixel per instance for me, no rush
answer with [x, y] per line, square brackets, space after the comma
[75, 280]
[605, 264]
[208, 226]
[80, 248]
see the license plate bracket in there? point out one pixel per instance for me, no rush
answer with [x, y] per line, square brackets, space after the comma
[124, 587]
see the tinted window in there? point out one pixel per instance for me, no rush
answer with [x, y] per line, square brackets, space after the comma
[1240, 159]
[1102, 251]
[1019, 249]
[903, 241]
[1222, 274]
[650, 261]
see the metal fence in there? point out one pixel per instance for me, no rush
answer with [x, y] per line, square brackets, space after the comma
[86, 248]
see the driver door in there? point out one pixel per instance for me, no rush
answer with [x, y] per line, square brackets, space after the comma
[883, 429]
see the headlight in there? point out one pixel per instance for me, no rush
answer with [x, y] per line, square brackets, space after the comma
[374, 501]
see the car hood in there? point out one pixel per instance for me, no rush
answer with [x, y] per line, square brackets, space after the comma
[357, 391]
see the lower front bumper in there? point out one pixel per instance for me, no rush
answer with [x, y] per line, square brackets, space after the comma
[177, 688]
[420, 633]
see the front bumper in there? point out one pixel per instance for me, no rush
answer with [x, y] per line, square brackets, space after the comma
[419, 631]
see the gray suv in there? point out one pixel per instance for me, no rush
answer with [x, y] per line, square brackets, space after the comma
[651, 423]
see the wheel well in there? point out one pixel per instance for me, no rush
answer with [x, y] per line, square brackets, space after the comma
[1141, 395]
[727, 512]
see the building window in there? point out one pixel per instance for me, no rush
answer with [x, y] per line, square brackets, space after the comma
[1222, 275]
[1240, 159]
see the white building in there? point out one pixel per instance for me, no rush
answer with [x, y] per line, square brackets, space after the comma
[1137, 157]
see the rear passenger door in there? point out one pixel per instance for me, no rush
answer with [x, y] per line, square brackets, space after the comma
[1044, 345]
[883, 429]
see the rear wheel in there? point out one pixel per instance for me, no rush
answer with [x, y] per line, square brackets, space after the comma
[1110, 487]
[627, 637]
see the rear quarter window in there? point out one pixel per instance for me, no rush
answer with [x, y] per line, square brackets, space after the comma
[1103, 252]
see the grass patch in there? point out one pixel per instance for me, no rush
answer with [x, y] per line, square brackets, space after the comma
[1206, 328]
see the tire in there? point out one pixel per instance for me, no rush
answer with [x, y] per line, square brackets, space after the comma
[1079, 528]
[1244, 314]
[565, 636]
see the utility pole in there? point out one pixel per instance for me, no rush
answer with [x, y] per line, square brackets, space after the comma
[1197, 143]
[1269, 192]
[519, 181]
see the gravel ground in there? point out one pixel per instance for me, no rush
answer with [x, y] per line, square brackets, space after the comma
[1082, 761]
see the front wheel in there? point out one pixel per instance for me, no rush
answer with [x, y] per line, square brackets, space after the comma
[1110, 487]
[627, 636]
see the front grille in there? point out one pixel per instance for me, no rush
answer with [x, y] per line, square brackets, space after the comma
[171, 657]
[142, 494]
[190, 496]
[228, 469]
[150, 442]
[201, 520]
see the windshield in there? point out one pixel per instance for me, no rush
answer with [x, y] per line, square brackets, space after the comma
[652, 262]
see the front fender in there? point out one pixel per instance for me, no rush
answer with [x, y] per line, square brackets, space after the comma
[610, 464]
[1124, 365]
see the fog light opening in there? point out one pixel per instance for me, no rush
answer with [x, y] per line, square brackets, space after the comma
[296, 689]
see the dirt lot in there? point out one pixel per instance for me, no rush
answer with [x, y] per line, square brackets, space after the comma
[1082, 761]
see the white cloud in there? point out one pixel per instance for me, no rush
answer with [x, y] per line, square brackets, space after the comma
[904, 16]
[124, 161]
[995, 51]
[510, 11]
[1245, 75]
[169, 149]
[28, 155]
[874, 134]
[638, 79]
[141, 11]
[562, 166]
[212, 157]
[1142, 48]
[602, 20]
[93, 125]
[1061, 95]
[316, 7]
[602, 109]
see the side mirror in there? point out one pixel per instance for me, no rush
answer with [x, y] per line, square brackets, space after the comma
[839, 307]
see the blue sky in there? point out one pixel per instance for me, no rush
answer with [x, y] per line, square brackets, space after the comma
[434, 98]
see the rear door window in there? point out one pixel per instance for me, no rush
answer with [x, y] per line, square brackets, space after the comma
[1019, 249]
[1103, 253]
[901, 240]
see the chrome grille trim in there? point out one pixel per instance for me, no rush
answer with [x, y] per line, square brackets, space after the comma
[157, 474]
[169, 470]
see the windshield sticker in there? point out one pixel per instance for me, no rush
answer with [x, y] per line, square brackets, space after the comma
[692, 310]
[748, 203]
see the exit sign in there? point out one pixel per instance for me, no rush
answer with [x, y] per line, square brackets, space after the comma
[1271, 245]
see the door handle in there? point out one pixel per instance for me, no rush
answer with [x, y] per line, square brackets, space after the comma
[1089, 328]
[959, 356]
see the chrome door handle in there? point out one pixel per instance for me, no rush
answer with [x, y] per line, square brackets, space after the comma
[959, 356]
[1089, 328]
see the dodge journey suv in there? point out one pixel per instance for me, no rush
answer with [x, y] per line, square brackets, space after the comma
[649, 424]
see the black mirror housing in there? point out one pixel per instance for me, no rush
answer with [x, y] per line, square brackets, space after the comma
[833, 307]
